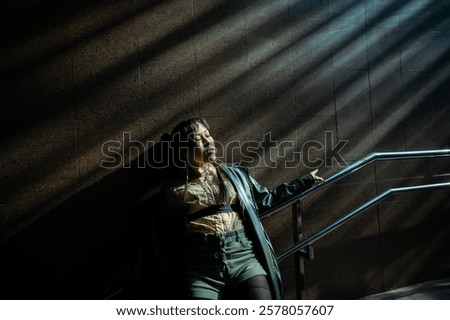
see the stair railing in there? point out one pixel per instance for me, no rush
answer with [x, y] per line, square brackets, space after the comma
[376, 156]
[302, 248]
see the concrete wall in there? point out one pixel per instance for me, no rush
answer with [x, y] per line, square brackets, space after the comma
[77, 75]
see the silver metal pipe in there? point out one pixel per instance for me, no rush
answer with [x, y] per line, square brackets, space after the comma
[403, 155]
[333, 226]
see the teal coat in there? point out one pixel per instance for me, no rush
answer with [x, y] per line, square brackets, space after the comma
[255, 200]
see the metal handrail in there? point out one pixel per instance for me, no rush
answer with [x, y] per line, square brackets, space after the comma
[333, 226]
[357, 166]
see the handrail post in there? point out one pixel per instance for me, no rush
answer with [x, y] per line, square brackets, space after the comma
[300, 282]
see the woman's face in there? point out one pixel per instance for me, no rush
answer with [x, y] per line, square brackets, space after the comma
[204, 150]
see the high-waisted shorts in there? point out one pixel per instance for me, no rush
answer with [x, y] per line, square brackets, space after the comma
[217, 264]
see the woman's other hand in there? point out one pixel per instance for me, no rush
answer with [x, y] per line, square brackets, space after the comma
[316, 177]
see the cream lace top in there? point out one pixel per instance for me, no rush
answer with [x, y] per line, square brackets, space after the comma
[201, 193]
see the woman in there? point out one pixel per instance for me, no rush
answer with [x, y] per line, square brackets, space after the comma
[227, 253]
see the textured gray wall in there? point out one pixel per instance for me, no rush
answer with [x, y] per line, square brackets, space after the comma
[77, 74]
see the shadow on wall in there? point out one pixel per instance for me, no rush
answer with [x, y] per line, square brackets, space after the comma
[88, 247]
[398, 243]
[395, 258]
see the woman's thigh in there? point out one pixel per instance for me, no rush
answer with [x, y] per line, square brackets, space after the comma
[255, 288]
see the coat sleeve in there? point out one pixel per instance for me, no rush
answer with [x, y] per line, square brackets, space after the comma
[266, 199]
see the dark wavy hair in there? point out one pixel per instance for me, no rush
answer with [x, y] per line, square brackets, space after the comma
[181, 137]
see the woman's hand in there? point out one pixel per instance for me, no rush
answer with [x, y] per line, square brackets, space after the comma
[316, 177]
